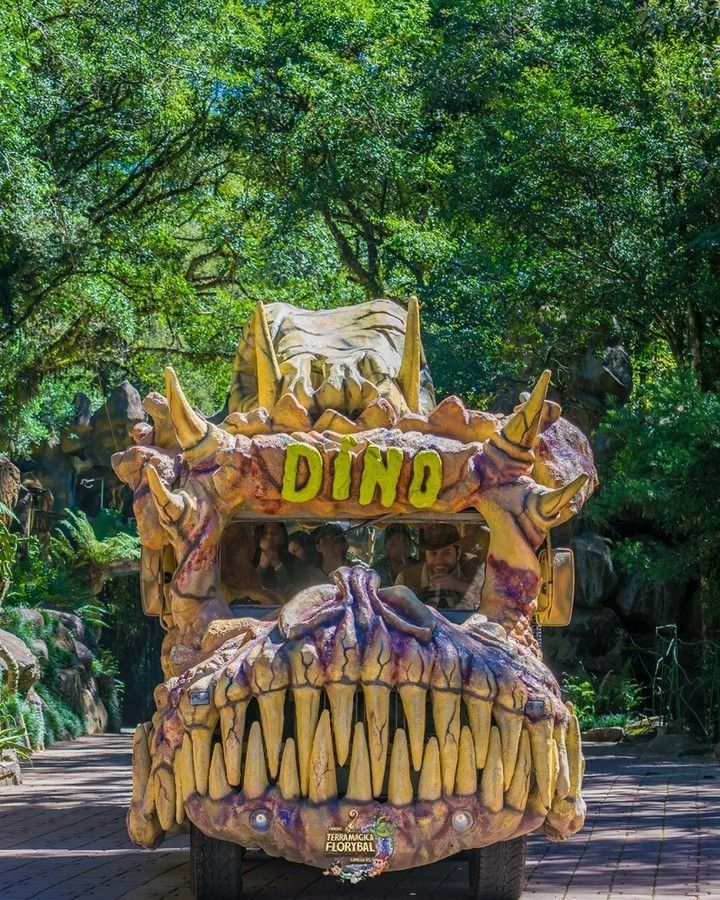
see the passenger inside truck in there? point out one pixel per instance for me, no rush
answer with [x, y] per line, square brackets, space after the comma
[268, 563]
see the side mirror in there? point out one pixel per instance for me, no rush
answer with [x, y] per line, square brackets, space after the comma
[557, 591]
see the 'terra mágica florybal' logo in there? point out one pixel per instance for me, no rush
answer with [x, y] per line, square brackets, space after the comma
[359, 851]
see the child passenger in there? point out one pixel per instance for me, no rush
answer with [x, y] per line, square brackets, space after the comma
[398, 554]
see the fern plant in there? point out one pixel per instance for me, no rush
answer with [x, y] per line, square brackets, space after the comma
[12, 738]
[77, 545]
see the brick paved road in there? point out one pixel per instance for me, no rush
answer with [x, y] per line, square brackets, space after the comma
[653, 830]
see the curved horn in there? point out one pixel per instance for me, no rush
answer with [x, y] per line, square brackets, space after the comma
[190, 428]
[550, 503]
[409, 372]
[522, 428]
[268, 368]
[170, 506]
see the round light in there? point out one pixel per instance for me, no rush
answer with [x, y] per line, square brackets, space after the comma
[462, 820]
[261, 819]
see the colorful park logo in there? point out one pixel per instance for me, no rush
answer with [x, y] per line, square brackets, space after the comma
[359, 851]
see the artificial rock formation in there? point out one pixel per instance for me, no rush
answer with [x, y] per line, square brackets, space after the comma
[333, 415]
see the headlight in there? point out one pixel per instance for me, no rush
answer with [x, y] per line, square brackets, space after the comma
[462, 820]
[261, 819]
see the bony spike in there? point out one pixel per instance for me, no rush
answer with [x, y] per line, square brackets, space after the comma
[190, 428]
[522, 428]
[170, 506]
[551, 503]
[409, 372]
[268, 369]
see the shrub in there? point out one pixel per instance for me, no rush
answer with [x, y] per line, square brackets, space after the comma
[599, 702]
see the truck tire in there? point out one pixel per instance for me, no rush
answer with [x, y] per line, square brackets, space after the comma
[215, 867]
[497, 872]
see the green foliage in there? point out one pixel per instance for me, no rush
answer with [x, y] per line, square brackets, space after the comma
[8, 548]
[22, 718]
[62, 575]
[12, 738]
[600, 702]
[76, 543]
[61, 721]
[660, 479]
[543, 176]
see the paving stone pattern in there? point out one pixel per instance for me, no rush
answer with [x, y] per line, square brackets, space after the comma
[652, 831]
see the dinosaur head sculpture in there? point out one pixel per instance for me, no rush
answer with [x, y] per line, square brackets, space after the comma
[354, 704]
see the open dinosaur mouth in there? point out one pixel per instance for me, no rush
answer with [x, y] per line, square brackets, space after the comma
[363, 699]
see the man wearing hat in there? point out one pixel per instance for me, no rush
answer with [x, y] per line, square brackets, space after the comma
[444, 579]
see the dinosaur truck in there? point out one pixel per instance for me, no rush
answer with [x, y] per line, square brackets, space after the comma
[354, 728]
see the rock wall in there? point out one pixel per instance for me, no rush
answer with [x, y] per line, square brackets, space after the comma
[73, 470]
[23, 665]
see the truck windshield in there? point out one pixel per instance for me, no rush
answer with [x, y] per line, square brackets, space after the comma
[442, 561]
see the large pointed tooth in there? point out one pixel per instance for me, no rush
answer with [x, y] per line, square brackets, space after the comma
[466, 775]
[509, 723]
[359, 780]
[414, 699]
[201, 740]
[377, 713]
[218, 786]
[170, 505]
[491, 783]
[323, 783]
[400, 790]
[541, 746]
[562, 788]
[520, 785]
[551, 503]
[190, 428]
[523, 427]
[479, 715]
[232, 728]
[307, 711]
[141, 762]
[187, 779]
[409, 372]
[255, 780]
[272, 716]
[446, 718]
[179, 792]
[342, 698]
[164, 783]
[554, 768]
[575, 757]
[268, 368]
[288, 779]
[430, 785]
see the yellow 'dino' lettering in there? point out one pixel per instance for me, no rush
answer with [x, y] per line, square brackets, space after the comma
[382, 474]
[311, 488]
[427, 478]
[342, 473]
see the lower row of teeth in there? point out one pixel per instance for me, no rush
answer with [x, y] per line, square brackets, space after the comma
[500, 758]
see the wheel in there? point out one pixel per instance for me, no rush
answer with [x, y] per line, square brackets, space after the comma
[215, 867]
[497, 872]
